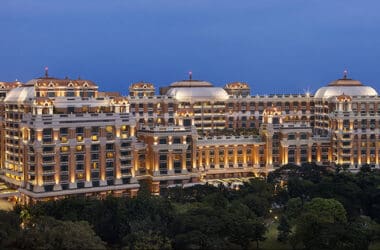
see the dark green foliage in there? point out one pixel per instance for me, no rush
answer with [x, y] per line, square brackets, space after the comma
[111, 218]
[283, 229]
[139, 240]
[211, 226]
[318, 209]
[9, 228]
[48, 233]
[193, 194]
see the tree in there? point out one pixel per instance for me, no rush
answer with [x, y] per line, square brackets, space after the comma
[141, 240]
[360, 233]
[192, 240]
[321, 224]
[48, 233]
[246, 229]
[9, 228]
[300, 188]
[326, 210]
[259, 205]
[283, 229]
[293, 208]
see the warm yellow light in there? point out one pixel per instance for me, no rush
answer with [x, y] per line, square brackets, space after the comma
[79, 147]
[79, 138]
[94, 137]
[109, 129]
[94, 165]
[63, 139]
[64, 149]
[109, 155]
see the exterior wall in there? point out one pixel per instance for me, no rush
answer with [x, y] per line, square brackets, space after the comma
[69, 140]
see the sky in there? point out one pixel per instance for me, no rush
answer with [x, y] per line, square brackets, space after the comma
[277, 46]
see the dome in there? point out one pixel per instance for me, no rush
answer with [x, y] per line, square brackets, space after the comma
[191, 83]
[20, 94]
[347, 87]
[198, 94]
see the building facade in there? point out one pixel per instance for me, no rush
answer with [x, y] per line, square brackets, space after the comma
[62, 137]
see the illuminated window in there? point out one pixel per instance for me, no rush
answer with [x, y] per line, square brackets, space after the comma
[176, 157]
[109, 129]
[80, 175]
[64, 149]
[109, 155]
[63, 139]
[79, 148]
[94, 137]
[94, 165]
[79, 138]
[123, 128]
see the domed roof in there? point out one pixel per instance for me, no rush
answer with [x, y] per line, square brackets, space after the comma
[198, 94]
[347, 87]
[20, 94]
[191, 83]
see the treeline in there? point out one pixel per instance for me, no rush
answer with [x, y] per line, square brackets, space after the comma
[315, 209]
[203, 217]
[327, 209]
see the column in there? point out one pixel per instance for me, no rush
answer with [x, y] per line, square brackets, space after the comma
[135, 160]
[134, 165]
[132, 130]
[309, 151]
[72, 168]
[216, 157]
[256, 156]
[102, 164]
[38, 171]
[200, 163]
[244, 155]
[155, 165]
[285, 154]
[226, 163]
[319, 157]
[118, 180]
[207, 158]
[170, 162]
[87, 165]
[184, 170]
[57, 169]
[235, 157]
[298, 155]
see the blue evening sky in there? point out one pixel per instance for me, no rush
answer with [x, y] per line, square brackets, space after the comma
[277, 46]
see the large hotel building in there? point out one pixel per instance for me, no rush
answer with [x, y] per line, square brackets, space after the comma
[62, 137]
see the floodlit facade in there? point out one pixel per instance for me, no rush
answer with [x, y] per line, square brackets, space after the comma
[62, 137]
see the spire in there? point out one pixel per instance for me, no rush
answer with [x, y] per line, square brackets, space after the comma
[190, 75]
[46, 71]
[345, 74]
